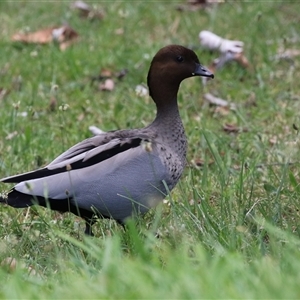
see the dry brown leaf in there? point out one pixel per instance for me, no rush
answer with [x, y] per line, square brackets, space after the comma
[105, 73]
[108, 74]
[200, 162]
[242, 60]
[52, 104]
[219, 62]
[232, 128]
[108, 85]
[42, 36]
[222, 110]
[63, 35]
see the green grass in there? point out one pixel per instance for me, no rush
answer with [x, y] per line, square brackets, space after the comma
[230, 229]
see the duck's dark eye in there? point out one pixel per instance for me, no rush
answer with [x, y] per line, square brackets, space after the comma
[179, 58]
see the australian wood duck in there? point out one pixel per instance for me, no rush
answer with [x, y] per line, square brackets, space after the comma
[120, 173]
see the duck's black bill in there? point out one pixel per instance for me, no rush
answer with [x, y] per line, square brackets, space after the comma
[201, 71]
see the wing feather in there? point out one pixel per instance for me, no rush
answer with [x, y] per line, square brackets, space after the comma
[82, 147]
[82, 155]
[114, 175]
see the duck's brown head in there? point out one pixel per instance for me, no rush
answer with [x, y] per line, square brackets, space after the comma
[170, 66]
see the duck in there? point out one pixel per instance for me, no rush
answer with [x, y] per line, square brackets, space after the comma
[123, 173]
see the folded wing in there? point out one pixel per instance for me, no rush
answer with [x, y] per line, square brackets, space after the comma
[86, 153]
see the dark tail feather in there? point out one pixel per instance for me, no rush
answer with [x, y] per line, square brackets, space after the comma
[20, 200]
[17, 199]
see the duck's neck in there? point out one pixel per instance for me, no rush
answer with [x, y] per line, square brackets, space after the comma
[167, 116]
[165, 97]
[167, 124]
[170, 131]
[164, 94]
